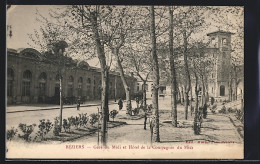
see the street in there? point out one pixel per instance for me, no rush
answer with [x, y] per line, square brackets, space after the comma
[216, 127]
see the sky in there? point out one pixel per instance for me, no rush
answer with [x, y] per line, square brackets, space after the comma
[22, 18]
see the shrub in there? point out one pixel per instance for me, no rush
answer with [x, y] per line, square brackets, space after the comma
[56, 129]
[223, 110]
[93, 118]
[66, 125]
[113, 114]
[135, 111]
[27, 130]
[240, 115]
[83, 119]
[74, 121]
[230, 110]
[150, 107]
[11, 133]
[44, 128]
[214, 108]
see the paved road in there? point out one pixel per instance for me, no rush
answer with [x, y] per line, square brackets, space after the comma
[30, 114]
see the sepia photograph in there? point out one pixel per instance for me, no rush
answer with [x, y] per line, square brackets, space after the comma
[124, 82]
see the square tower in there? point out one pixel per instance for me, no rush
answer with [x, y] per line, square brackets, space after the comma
[221, 41]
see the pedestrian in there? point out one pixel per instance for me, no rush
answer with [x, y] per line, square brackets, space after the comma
[78, 105]
[120, 103]
[137, 101]
[212, 100]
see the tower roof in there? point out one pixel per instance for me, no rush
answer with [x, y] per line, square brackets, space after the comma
[220, 32]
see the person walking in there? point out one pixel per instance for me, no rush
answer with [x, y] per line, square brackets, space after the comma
[137, 101]
[120, 103]
[78, 104]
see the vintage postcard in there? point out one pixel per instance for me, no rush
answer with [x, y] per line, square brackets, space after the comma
[124, 82]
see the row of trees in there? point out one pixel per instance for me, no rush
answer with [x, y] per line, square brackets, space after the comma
[123, 34]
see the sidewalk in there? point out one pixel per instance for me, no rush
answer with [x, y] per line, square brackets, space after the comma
[37, 107]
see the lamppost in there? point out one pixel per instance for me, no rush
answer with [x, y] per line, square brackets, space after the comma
[59, 48]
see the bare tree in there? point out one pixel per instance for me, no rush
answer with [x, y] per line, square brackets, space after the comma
[173, 72]
[189, 21]
[118, 28]
[155, 73]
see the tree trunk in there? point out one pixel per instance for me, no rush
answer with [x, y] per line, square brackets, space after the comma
[204, 99]
[144, 104]
[196, 97]
[104, 78]
[182, 96]
[126, 87]
[230, 89]
[187, 74]
[173, 73]
[196, 118]
[61, 102]
[235, 71]
[191, 110]
[104, 106]
[144, 95]
[155, 73]
[186, 103]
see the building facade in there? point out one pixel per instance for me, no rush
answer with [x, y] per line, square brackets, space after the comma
[220, 50]
[33, 77]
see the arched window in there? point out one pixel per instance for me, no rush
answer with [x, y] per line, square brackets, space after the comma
[70, 86]
[42, 84]
[89, 87]
[10, 81]
[89, 81]
[80, 81]
[222, 90]
[57, 85]
[26, 85]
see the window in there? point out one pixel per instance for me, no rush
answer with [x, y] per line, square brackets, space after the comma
[42, 83]
[146, 87]
[89, 87]
[224, 42]
[26, 84]
[222, 90]
[89, 81]
[212, 75]
[10, 81]
[80, 81]
[138, 86]
[70, 86]
[212, 90]
[214, 42]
